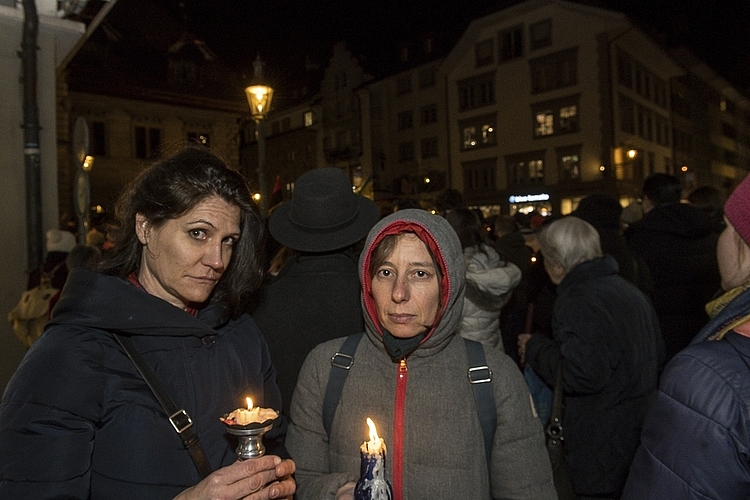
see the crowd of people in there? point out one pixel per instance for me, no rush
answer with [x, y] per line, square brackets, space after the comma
[431, 324]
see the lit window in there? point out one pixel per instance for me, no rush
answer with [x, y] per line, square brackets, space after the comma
[488, 134]
[470, 137]
[569, 118]
[544, 123]
[308, 117]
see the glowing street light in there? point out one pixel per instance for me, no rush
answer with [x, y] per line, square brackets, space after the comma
[259, 98]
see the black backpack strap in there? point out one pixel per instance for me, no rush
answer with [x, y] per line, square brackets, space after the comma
[179, 418]
[340, 364]
[480, 377]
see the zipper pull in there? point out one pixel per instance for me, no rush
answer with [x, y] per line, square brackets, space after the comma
[402, 366]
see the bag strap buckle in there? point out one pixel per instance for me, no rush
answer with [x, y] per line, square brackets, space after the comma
[480, 374]
[181, 421]
[341, 360]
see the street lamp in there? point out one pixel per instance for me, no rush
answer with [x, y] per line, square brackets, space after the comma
[259, 98]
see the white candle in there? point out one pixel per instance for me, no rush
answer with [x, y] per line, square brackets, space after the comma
[242, 416]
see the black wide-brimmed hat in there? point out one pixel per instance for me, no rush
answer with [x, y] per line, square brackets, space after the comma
[324, 213]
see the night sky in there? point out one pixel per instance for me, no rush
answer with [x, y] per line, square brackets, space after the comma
[286, 31]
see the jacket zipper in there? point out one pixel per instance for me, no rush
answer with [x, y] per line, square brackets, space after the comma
[398, 431]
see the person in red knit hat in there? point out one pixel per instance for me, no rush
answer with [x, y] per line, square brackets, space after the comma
[695, 440]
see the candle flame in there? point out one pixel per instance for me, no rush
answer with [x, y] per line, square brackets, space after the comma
[249, 403]
[373, 433]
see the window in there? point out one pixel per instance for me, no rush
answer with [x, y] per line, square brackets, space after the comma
[540, 34]
[479, 176]
[406, 151]
[427, 78]
[405, 120]
[403, 85]
[479, 131]
[98, 139]
[554, 71]
[555, 117]
[308, 118]
[627, 114]
[568, 121]
[624, 70]
[525, 168]
[484, 51]
[147, 142]
[510, 43]
[429, 114]
[198, 138]
[476, 92]
[429, 147]
[544, 123]
[569, 163]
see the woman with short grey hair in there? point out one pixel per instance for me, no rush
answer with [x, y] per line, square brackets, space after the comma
[606, 335]
[569, 242]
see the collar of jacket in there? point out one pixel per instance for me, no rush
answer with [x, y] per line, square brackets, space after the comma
[594, 268]
[726, 312]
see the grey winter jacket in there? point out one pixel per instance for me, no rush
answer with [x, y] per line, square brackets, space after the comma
[442, 455]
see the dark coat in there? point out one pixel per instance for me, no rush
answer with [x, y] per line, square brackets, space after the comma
[78, 421]
[696, 440]
[606, 334]
[678, 243]
[314, 298]
[513, 315]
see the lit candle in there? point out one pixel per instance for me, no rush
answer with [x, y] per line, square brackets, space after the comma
[375, 445]
[251, 415]
[372, 483]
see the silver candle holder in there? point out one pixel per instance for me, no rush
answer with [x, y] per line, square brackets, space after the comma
[250, 438]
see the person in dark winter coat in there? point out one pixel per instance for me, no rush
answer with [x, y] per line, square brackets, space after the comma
[678, 243]
[606, 335]
[315, 296]
[77, 419]
[696, 441]
[410, 376]
[510, 243]
[603, 212]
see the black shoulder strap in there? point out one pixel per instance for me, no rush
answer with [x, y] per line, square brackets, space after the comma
[179, 418]
[340, 364]
[480, 377]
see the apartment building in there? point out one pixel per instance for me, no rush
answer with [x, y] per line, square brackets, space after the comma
[546, 100]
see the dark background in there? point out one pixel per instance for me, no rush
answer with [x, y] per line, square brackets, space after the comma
[286, 32]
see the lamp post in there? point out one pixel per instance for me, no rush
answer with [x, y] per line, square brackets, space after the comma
[259, 98]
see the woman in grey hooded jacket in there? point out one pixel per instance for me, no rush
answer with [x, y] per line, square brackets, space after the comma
[410, 376]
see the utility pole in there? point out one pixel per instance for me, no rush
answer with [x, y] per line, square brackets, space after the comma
[31, 154]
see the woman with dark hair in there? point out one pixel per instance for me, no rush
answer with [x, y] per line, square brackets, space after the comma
[489, 280]
[78, 420]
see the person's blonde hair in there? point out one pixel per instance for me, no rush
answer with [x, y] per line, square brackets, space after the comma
[569, 241]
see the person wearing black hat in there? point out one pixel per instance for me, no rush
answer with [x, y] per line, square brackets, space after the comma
[316, 295]
[603, 211]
